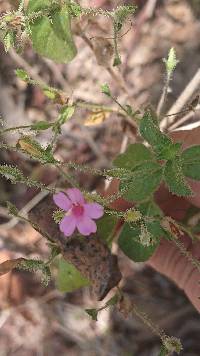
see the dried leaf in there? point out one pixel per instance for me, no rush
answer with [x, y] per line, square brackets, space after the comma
[194, 102]
[9, 265]
[103, 50]
[125, 305]
[89, 255]
[94, 260]
[96, 118]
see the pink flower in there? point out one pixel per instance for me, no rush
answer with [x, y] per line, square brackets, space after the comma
[79, 213]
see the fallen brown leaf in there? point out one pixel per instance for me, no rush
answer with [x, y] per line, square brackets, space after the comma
[89, 254]
[96, 118]
[8, 265]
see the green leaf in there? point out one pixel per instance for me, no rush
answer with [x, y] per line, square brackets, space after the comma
[175, 180]
[11, 173]
[129, 110]
[65, 114]
[155, 229]
[151, 232]
[36, 266]
[145, 179]
[12, 209]
[9, 40]
[105, 89]
[51, 33]
[22, 74]
[150, 208]
[105, 227]
[75, 9]
[122, 13]
[41, 125]
[50, 93]
[131, 246]
[161, 144]
[117, 61]
[191, 162]
[112, 301]
[163, 351]
[69, 278]
[168, 152]
[135, 154]
[93, 313]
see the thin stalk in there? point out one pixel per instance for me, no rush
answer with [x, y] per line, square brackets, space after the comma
[187, 254]
[9, 129]
[164, 95]
[92, 106]
[68, 177]
[147, 321]
[35, 226]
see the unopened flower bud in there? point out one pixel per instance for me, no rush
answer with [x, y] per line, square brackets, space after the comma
[132, 215]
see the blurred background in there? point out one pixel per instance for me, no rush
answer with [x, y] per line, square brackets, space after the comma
[37, 321]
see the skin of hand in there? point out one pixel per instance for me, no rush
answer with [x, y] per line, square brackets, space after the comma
[168, 259]
[97, 3]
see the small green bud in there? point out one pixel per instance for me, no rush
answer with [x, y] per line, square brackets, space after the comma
[75, 9]
[22, 74]
[129, 110]
[58, 215]
[132, 215]
[9, 40]
[105, 89]
[117, 61]
[172, 344]
[171, 62]
[50, 94]
[12, 209]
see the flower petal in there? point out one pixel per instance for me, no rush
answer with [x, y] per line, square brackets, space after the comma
[68, 225]
[62, 201]
[94, 210]
[75, 195]
[86, 226]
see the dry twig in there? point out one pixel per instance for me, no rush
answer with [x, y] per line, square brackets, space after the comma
[187, 93]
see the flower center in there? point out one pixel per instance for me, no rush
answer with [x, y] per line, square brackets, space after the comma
[77, 210]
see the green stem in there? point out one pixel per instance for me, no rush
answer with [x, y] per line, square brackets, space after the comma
[147, 321]
[187, 254]
[35, 226]
[93, 106]
[134, 119]
[9, 129]
[163, 96]
[107, 173]
[117, 59]
[68, 177]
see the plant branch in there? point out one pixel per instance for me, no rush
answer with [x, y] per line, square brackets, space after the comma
[182, 100]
